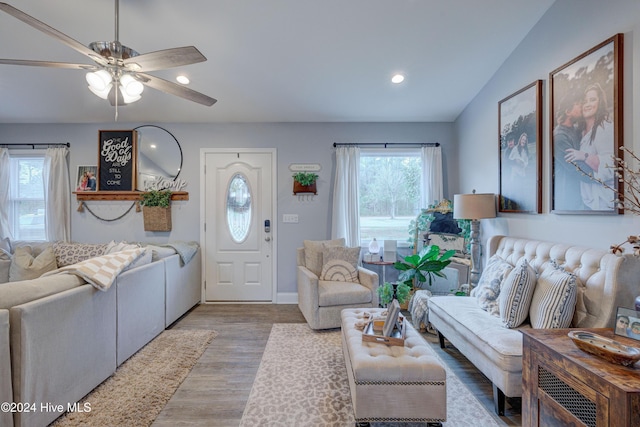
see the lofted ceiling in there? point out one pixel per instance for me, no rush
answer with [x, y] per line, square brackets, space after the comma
[271, 60]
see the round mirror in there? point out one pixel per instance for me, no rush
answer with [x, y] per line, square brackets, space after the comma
[159, 155]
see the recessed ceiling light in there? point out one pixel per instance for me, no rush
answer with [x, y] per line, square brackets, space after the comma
[398, 78]
[183, 79]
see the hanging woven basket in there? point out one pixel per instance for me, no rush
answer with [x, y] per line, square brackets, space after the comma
[156, 218]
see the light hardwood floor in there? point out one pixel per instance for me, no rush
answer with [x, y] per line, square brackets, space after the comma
[216, 390]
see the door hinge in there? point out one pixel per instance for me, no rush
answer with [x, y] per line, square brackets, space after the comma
[205, 227]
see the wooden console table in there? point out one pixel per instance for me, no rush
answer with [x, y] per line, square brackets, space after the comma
[564, 386]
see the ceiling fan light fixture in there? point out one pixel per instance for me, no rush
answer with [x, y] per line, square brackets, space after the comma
[99, 80]
[104, 93]
[130, 86]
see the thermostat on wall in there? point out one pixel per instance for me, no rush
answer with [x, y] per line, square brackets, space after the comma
[304, 167]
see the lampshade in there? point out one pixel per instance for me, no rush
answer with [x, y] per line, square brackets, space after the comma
[474, 206]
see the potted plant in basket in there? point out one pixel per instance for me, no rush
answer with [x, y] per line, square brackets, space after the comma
[156, 210]
[305, 182]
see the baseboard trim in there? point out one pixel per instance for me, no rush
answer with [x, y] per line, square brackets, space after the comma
[287, 298]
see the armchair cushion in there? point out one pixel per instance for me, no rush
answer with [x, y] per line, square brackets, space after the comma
[332, 293]
[313, 253]
[340, 264]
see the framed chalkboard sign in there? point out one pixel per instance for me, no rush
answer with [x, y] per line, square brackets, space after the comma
[117, 160]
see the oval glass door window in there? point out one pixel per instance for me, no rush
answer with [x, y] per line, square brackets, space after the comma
[238, 208]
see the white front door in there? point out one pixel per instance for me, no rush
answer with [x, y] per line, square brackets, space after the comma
[239, 228]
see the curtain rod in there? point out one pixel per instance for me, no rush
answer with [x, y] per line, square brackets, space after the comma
[39, 145]
[387, 144]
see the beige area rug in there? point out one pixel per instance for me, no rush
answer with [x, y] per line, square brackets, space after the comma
[142, 386]
[302, 381]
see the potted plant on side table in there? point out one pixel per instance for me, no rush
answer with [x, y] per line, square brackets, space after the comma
[156, 210]
[421, 268]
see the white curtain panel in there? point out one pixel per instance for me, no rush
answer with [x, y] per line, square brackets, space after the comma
[57, 194]
[5, 166]
[345, 221]
[432, 187]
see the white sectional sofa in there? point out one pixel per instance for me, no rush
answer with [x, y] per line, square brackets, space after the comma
[606, 281]
[60, 337]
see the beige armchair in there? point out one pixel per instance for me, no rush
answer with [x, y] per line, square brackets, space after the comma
[321, 301]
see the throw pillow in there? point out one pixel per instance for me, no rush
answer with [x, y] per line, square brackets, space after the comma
[73, 253]
[340, 264]
[516, 293]
[4, 255]
[26, 265]
[554, 299]
[488, 289]
[313, 253]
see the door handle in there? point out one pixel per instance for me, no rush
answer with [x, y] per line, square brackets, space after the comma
[267, 239]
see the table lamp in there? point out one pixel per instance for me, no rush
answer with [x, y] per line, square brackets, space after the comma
[474, 207]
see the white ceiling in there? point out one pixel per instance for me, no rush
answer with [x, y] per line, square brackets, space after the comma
[271, 60]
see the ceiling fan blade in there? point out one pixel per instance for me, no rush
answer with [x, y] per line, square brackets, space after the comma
[167, 58]
[50, 31]
[47, 64]
[175, 89]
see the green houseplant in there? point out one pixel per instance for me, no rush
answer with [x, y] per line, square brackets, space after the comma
[305, 182]
[420, 268]
[388, 291]
[156, 210]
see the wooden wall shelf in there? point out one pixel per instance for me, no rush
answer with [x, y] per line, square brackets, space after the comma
[122, 195]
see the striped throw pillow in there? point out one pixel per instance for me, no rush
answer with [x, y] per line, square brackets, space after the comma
[516, 293]
[554, 299]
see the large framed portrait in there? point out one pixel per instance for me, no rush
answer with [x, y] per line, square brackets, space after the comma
[520, 133]
[586, 131]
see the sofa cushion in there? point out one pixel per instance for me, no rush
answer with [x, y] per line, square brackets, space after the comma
[516, 293]
[73, 253]
[28, 264]
[313, 253]
[340, 264]
[490, 282]
[554, 299]
[331, 293]
[486, 334]
[17, 293]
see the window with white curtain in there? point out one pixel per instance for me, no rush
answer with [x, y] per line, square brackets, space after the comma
[390, 192]
[26, 195]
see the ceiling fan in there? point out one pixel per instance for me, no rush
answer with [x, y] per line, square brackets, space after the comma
[119, 73]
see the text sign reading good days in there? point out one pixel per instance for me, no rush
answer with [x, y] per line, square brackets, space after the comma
[117, 160]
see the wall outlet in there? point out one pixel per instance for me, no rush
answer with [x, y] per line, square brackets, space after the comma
[290, 218]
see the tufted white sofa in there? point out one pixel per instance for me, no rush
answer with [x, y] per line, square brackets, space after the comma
[60, 337]
[607, 281]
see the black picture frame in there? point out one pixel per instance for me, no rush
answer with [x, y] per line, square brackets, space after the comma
[632, 317]
[520, 150]
[117, 160]
[586, 130]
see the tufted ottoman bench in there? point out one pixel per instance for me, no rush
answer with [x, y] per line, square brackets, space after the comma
[392, 383]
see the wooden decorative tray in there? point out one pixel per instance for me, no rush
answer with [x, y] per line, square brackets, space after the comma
[605, 348]
[397, 336]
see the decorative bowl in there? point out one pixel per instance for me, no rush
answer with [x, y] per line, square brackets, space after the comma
[605, 348]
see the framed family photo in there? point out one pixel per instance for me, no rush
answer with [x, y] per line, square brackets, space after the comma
[627, 323]
[86, 179]
[586, 130]
[520, 132]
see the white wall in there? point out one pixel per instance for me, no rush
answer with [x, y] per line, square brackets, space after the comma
[295, 143]
[569, 28]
